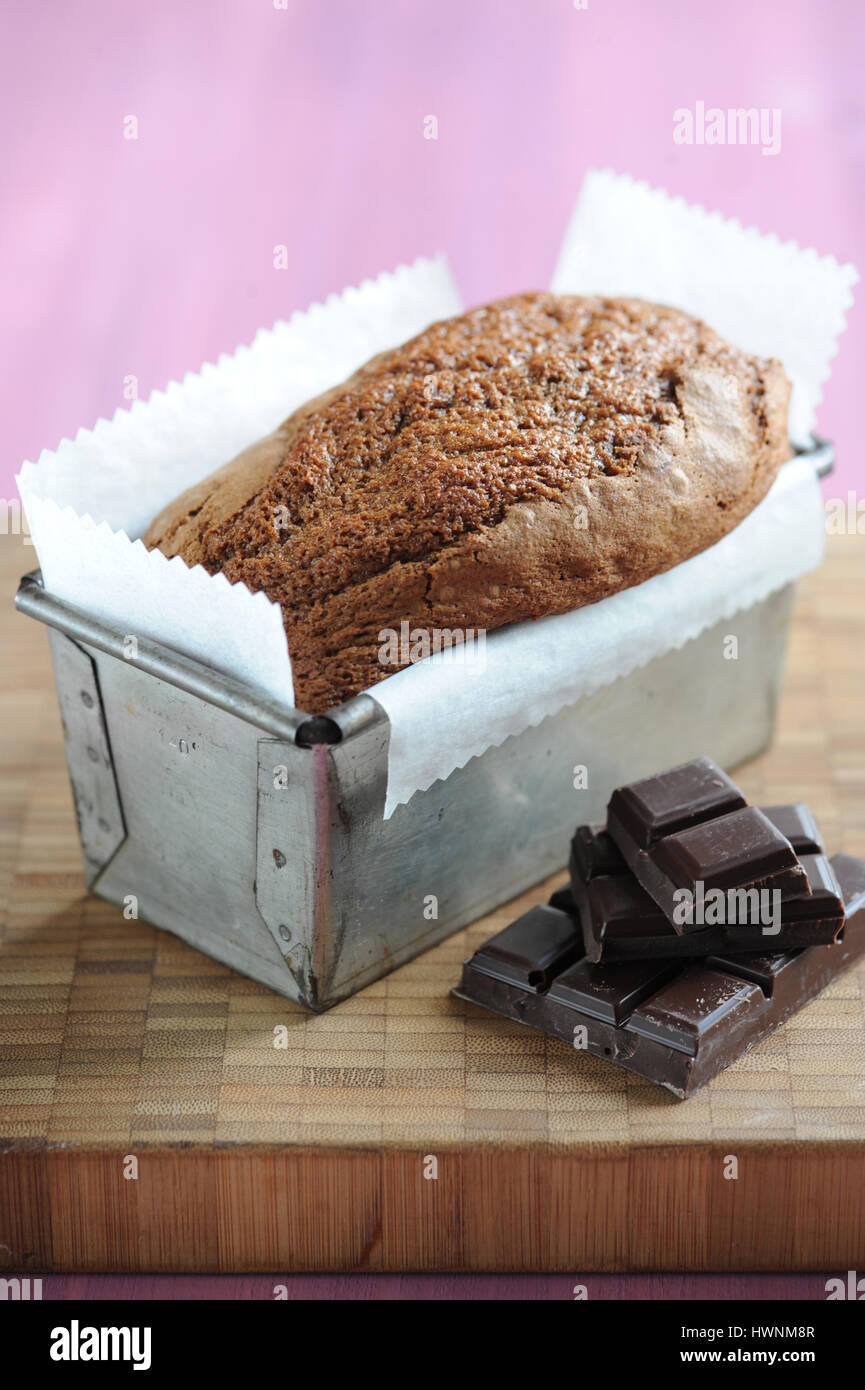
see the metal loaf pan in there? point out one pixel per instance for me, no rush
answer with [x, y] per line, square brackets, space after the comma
[256, 833]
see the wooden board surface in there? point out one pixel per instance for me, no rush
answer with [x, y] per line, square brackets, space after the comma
[118, 1041]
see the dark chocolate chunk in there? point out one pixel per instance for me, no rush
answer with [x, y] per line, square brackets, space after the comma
[732, 850]
[618, 918]
[797, 825]
[594, 852]
[610, 992]
[763, 970]
[620, 921]
[696, 1007]
[820, 902]
[675, 1024]
[563, 901]
[740, 850]
[686, 795]
[533, 949]
[625, 909]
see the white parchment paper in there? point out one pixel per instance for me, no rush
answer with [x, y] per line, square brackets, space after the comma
[766, 296]
[89, 500]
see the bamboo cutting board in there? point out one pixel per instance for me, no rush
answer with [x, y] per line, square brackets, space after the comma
[148, 1123]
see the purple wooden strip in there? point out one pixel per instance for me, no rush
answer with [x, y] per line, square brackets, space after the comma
[434, 1287]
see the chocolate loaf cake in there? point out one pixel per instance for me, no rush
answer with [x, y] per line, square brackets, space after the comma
[523, 459]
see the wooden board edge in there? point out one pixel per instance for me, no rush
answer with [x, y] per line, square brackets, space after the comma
[782, 1208]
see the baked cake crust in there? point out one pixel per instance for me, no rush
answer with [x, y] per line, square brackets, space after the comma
[526, 458]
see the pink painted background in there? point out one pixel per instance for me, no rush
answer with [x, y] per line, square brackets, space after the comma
[304, 126]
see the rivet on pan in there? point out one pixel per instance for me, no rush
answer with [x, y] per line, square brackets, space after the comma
[87, 699]
[93, 755]
[285, 933]
[279, 858]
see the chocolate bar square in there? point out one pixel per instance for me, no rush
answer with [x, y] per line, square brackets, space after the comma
[531, 950]
[798, 825]
[681, 838]
[620, 921]
[742, 849]
[646, 811]
[594, 853]
[676, 1023]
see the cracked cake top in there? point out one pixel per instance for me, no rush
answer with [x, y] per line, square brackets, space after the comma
[521, 459]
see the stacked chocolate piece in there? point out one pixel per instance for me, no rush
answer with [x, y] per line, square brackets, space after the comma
[693, 925]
